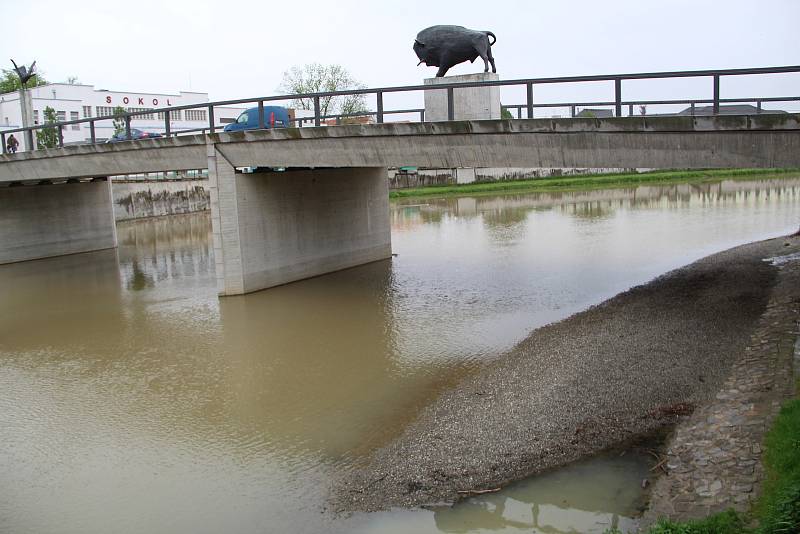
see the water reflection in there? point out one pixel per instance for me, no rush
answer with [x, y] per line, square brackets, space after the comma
[587, 497]
[132, 399]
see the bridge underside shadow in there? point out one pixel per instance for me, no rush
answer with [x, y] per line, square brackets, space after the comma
[273, 228]
[40, 221]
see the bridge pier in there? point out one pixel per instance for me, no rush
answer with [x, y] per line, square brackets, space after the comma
[273, 228]
[44, 220]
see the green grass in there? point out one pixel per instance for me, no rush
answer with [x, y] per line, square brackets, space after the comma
[779, 506]
[728, 522]
[585, 181]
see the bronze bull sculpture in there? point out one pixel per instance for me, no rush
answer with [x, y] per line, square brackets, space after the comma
[446, 46]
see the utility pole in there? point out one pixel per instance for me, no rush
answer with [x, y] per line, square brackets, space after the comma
[26, 107]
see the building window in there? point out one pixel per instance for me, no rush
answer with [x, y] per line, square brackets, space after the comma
[35, 116]
[73, 116]
[104, 111]
[148, 116]
[61, 116]
[195, 115]
[87, 112]
[174, 115]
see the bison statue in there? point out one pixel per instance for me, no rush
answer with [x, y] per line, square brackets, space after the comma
[446, 46]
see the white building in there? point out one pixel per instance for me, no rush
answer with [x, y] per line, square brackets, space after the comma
[77, 101]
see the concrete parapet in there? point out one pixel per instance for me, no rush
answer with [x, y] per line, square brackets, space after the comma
[272, 228]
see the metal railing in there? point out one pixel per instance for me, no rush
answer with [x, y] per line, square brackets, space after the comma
[381, 113]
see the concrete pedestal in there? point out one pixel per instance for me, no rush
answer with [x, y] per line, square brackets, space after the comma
[278, 227]
[40, 221]
[473, 103]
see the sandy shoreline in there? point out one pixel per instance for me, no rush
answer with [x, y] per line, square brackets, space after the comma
[624, 368]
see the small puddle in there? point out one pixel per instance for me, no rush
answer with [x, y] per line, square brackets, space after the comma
[589, 496]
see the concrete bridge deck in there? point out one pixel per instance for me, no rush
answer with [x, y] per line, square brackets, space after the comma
[653, 142]
[330, 209]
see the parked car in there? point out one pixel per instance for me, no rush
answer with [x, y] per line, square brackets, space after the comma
[274, 117]
[136, 134]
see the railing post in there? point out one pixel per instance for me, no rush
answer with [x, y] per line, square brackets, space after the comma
[422, 115]
[379, 99]
[451, 104]
[630, 110]
[167, 129]
[529, 91]
[128, 127]
[92, 136]
[29, 135]
[3, 141]
[758, 106]
[716, 94]
[211, 119]
[618, 97]
[261, 115]
[691, 107]
[572, 112]
[316, 111]
[61, 135]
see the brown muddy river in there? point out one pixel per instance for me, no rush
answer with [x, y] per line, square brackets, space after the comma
[133, 400]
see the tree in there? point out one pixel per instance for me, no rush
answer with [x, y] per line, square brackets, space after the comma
[317, 78]
[48, 137]
[119, 121]
[9, 81]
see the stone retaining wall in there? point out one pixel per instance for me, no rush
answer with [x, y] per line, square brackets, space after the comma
[135, 200]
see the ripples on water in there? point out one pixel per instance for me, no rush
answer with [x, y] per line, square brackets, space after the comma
[132, 399]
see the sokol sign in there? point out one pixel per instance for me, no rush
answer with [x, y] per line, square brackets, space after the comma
[126, 100]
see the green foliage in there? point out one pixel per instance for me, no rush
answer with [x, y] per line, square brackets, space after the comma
[779, 506]
[9, 81]
[505, 114]
[119, 121]
[728, 522]
[48, 137]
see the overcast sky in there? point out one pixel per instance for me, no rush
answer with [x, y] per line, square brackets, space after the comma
[238, 49]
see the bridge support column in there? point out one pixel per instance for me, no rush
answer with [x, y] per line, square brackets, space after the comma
[40, 221]
[272, 228]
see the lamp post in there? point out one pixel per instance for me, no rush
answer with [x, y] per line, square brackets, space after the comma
[25, 74]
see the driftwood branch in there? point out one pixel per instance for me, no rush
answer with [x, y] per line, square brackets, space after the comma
[478, 492]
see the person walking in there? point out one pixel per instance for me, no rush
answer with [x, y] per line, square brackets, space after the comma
[12, 144]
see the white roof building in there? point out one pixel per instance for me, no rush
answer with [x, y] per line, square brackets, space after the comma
[77, 101]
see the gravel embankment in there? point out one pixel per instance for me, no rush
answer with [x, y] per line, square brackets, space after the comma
[620, 369]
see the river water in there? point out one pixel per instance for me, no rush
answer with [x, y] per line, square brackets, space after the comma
[132, 399]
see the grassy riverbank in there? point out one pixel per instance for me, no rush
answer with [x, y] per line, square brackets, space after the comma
[587, 181]
[778, 508]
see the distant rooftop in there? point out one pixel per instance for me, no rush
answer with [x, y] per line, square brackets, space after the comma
[736, 109]
[595, 113]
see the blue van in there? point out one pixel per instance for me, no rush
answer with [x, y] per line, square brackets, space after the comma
[274, 117]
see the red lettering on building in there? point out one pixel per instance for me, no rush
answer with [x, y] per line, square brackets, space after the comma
[108, 100]
[155, 101]
[141, 101]
[125, 100]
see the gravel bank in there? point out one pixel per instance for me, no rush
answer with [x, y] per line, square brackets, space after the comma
[620, 369]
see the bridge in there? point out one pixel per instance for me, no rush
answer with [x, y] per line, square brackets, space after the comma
[328, 208]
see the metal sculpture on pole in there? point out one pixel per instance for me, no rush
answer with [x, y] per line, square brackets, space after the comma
[25, 74]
